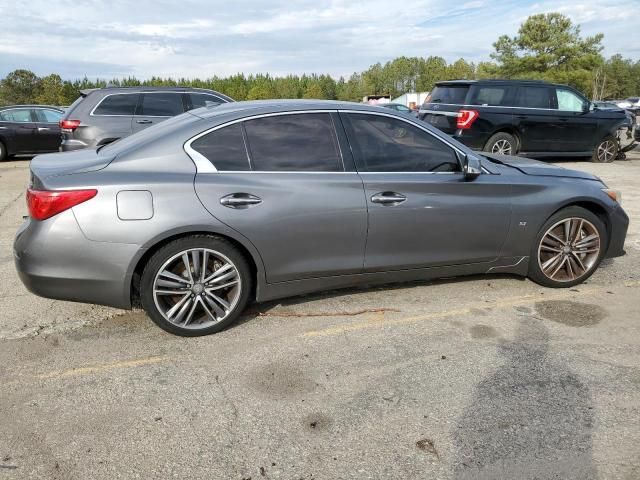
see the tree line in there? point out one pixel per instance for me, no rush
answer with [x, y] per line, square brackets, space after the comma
[547, 47]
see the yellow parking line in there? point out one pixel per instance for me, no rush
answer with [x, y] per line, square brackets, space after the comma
[500, 303]
[101, 368]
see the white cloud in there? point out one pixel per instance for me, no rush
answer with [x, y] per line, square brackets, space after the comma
[199, 38]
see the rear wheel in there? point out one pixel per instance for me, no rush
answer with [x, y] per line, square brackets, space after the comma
[502, 143]
[3, 152]
[568, 248]
[606, 151]
[196, 285]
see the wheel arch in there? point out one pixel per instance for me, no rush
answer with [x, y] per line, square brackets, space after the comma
[595, 207]
[132, 284]
[511, 130]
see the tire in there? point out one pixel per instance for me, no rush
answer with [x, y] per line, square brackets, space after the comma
[583, 253]
[606, 150]
[502, 143]
[199, 307]
[3, 152]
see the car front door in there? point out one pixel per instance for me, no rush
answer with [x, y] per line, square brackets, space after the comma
[19, 130]
[281, 182]
[154, 107]
[48, 138]
[577, 125]
[421, 210]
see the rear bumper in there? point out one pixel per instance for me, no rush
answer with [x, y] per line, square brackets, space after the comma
[69, 145]
[619, 225]
[55, 260]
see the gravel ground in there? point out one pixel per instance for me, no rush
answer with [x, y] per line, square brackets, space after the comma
[484, 377]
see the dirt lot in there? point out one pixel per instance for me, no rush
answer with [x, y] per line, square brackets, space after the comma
[488, 377]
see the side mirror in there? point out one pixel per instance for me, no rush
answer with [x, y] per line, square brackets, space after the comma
[587, 107]
[471, 167]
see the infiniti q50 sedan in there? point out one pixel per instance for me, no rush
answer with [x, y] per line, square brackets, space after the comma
[251, 201]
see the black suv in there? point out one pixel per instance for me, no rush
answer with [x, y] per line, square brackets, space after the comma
[530, 118]
[103, 115]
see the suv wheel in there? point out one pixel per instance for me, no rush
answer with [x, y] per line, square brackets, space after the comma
[502, 143]
[606, 151]
[196, 285]
[568, 248]
[3, 152]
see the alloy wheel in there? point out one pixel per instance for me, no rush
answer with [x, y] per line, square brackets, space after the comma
[197, 288]
[569, 249]
[502, 147]
[606, 151]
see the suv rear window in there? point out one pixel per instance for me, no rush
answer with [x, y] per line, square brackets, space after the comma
[449, 94]
[117, 104]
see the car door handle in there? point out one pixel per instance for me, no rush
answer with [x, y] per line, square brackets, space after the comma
[388, 198]
[240, 200]
[43, 129]
[144, 122]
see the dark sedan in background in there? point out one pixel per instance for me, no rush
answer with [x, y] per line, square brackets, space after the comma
[28, 129]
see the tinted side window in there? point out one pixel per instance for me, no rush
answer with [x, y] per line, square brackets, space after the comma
[224, 148]
[200, 99]
[118, 104]
[493, 95]
[19, 116]
[295, 143]
[533, 97]
[448, 94]
[569, 101]
[161, 105]
[386, 144]
[48, 116]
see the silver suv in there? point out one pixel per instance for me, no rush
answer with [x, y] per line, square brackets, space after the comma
[103, 115]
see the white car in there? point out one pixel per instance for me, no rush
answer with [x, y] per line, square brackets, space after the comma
[631, 103]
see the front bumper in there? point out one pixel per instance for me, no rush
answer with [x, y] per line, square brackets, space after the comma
[619, 223]
[55, 260]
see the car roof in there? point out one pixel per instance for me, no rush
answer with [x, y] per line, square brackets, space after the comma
[7, 107]
[489, 81]
[281, 105]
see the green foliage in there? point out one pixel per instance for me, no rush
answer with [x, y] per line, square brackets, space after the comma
[547, 47]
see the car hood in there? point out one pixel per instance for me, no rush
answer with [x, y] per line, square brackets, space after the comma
[536, 167]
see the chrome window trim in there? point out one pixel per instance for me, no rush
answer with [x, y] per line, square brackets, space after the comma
[466, 105]
[91, 114]
[205, 166]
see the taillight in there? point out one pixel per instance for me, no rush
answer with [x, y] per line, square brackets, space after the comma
[44, 204]
[69, 125]
[466, 118]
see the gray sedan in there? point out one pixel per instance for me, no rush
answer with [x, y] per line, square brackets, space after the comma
[251, 201]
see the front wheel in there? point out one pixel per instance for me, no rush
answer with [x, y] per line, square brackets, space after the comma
[196, 285]
[568, 248]
[606, 151]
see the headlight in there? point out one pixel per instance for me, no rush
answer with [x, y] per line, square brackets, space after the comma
[615, 195]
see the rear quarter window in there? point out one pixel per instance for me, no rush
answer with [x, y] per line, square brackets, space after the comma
[455, 94]
[494, 95]
[117, 104]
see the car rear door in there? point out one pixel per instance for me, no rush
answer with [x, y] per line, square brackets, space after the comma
[282, 182]
[19, 130]
[48, 137]
[154, 107]
[421, 211]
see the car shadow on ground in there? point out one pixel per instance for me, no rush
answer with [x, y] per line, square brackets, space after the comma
[532, 418]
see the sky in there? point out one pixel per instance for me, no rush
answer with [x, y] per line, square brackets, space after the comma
[199, 38]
